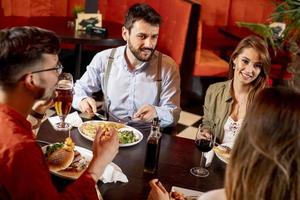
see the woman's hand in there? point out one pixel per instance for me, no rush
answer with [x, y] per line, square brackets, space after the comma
[205, 133]
[158, 192]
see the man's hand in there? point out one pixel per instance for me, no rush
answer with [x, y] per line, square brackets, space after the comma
[158, 192]
[105, 148]
[145, 113]
[41, 106]
[88, 105]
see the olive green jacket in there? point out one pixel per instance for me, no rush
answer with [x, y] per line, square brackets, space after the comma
[217, 106]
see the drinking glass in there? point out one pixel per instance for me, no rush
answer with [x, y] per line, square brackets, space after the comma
[204, 141]
[63, 100]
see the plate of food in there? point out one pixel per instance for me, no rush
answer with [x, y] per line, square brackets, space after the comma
[223, 153]
[67, 160]
[178, 193]
[128, 136]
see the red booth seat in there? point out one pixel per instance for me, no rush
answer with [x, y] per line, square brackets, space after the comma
[279, 72]
[173, 31]
[30, 8]
[211, 65]
[219, 14]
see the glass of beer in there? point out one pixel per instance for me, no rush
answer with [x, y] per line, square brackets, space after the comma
[63, 100]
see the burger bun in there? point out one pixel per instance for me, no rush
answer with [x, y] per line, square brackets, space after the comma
[60, 159]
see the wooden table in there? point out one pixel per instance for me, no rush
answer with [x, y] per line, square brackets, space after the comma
[177, 156]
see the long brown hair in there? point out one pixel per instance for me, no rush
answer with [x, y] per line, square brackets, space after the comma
[265, 160]
[261, 47]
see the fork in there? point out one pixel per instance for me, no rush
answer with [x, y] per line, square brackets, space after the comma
[102, 117]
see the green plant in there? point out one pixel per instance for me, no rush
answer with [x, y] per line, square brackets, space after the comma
[77, 9]
[287, 12]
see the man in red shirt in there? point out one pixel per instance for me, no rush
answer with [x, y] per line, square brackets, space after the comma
[29, 69]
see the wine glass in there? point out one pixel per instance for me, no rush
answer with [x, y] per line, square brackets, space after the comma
[204, 141]
[63, 100]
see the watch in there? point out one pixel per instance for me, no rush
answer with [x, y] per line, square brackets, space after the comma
[37, 115]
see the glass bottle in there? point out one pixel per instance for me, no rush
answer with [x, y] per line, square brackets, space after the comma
[153, 148]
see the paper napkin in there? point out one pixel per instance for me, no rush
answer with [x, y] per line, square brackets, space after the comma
[209, 157]
[72, 118]
[113, 173]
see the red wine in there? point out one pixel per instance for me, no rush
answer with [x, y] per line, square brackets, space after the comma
[204, 145]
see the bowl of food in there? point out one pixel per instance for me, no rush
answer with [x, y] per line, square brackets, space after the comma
[129, 136]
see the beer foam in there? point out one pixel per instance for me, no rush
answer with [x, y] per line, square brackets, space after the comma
[65, 84]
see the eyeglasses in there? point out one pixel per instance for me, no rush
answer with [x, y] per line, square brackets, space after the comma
[58, 69]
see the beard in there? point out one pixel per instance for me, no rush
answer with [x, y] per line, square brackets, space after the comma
[138, 53]
[45, 94]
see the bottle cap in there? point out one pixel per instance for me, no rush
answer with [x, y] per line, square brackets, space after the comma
[155, 121]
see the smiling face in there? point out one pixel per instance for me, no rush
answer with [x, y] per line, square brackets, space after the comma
[248, 66]
[141, 40]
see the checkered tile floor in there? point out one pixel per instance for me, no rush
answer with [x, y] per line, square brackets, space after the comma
[187, 125]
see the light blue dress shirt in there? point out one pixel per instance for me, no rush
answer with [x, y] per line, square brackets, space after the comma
[128, 90]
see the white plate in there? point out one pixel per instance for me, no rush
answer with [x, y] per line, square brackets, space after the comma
[83, 151]
[220, 156]
[136, 132]
[188, 194]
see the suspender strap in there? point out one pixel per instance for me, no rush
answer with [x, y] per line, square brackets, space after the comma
[158, 78]
[108, 69]
[107, 72]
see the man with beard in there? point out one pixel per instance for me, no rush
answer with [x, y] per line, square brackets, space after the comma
[138, 82]
[29, 70]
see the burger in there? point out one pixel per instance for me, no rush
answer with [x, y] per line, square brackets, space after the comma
[64, 160]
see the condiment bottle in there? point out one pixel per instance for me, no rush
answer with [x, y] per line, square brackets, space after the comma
[153, 148]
